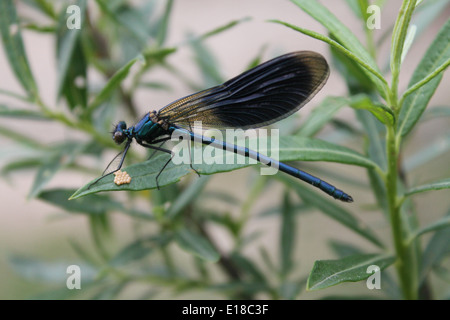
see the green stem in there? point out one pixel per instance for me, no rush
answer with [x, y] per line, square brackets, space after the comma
[406, 262]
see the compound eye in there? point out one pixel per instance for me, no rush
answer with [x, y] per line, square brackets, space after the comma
[118, 137]
[118, 134]
[122, 125]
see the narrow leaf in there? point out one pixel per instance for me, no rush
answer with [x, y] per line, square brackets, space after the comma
[373, 73]
[249, 267]
[432, 151]
[436, 112]
[163, 24]
[352, 72]
[287, 235]
[408, 41]
[92, 205]
[344, 36]
[138, 249]
[399, 35]
[331, 209]
[49, 272]
[207, 63]
[380, 111]
[59, 157]
[72, 65]
[113, 83]
[21, 139]
[437, 225]
[443, 184]
[196, 244]
[436, 250]
[415, 103]
[13, 45]
[20, 113]
[223, 28]
[187, 197]
[327, 273]
[45, 173]
[321, 115]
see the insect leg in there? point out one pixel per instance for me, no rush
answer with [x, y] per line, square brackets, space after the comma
[162, 140]
[190, 157]
[124, 152]
[172, 154]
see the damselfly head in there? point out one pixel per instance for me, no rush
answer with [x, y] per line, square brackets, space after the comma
[118, 134]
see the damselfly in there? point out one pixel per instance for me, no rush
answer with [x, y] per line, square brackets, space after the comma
[258, 97]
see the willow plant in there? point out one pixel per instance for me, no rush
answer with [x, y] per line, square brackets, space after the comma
[126, 42]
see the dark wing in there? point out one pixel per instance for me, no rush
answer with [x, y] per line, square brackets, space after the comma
[258, 97]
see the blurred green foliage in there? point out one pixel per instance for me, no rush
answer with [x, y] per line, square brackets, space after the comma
[122, 41]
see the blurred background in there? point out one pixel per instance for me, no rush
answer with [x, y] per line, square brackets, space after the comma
[36, 238]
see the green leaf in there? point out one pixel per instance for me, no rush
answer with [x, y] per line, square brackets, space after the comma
[436, 112]
[287, 235]
[321, 115]
[380, 111]
[20, 113]
[437, 225]
[57, 158]
[92, 205]
[21, 164]
[113, 83]
[49, 272]
[436, 250]
[14, 48]
[345, 37]
[343, 249]
[331, 209]
[143, 177]
[327, 273]
[223, 28]
[427, 13]
[163, 24]
[415, 103]
[22, 139]
[376, 77]
[375, 131]
[376, 150]
[130, 20]
[207, 63]
[290, 149]
[196, 244]
[72, 65]
[352, 73]
[44, 6]
[249, 267]
[45, 173]
[187, 197]
[110, 292]
[408, 41]
[157, 55]
[432, 151]
[289, 290]
[399, 35]
[138, 249]
[438, 185]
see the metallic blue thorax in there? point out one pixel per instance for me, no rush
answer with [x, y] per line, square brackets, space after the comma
[146, 130]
